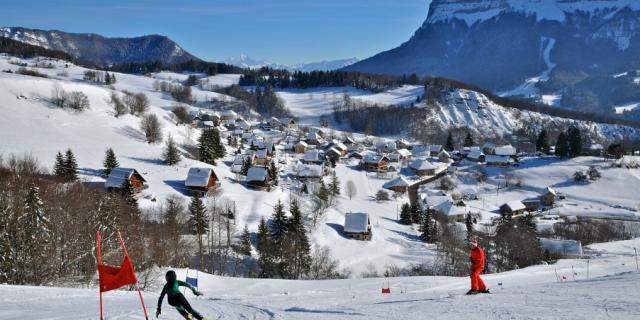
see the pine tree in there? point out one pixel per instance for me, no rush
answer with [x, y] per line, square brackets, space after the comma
[279, 223]
[416, 214]
[298, 254]
[468, 140]
[36, 238]
[6, 248]
[428, 228]
[265, 261]
[129, 193]
[575, 141]
[562, 145]
[542, 144]
[273, 173]
[334, 186]
[71, 166]
[468, 222]
[59, 167]
[198, 221]
[209, 146]
[323, 192]
[107, 78]
[171, 155]
[405, 214]
[246, 164]
[245, 242]
[110, 162]
[449, 145]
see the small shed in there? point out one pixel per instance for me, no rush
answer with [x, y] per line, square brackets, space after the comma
[357, 225]
[514, 207]
[118, 176]
[201, 180]
[399, 184]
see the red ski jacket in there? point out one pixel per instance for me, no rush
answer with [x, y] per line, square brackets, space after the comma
[477, 258]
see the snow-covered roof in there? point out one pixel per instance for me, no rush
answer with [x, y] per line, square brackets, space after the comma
[475, 154]
[373, 158]
[311, 155]
[397, 182]
[435, 148]
[302, 144]
[507, 150]
[334, 150]
[261, 154]
[339, 145]
[449, 209]
[229, 113]
[118, 176]
[309, 170]
[356, 222]
[422, 164]
[488, 145]
[256, 174]
[515, 205]
[198, 177]
[434, 201]
[313, 135]
[403, 152]
[551, 191]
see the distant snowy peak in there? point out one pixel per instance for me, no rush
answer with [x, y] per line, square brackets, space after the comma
[96, 49]
[473, 11]
[245, 61]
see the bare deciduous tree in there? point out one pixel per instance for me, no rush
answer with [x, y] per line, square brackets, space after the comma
[152, 128]
[350, 189]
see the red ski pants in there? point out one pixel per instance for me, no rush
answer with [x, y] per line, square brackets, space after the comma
[476, 282]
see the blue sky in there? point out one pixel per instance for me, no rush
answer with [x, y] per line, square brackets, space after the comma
[284, 31]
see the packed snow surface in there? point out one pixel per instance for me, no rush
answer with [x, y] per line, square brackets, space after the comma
[602, 287]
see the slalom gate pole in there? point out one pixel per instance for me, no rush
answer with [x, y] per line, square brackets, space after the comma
[99, 263]
[124, 248]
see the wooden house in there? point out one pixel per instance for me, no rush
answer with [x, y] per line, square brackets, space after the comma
[300, 147]
[400, 155]
[403, 144]
[497, 161]
[376, 162]
[444, 156]
[399, 184]
[289, 123]
[333, 154]
[258, 178]
[435, 149]
[357, 225]
[423, 167]
[488, 148]
[228, 115]
[312, 157]
[118, 176]
[548, 198]
[200, 180]
[515, 207]
[309, 172]
[263, 158]
[476, 156]
[450, 211]
[505, 151]
[531, 204]
[314, 138]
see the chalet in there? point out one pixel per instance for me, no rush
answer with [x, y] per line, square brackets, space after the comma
[243, 125]
[333, 154]
[300, 147]
[268, 146]
[288, 123]
[515, 207]
[386, 147]
[488, 148]
[118, 176]
[357, 226]
[476, 156]
[348, 141]
[423, 167]
[200, 180]
[375, 162]
[434, 150]
[400, 155]
[314, 138]
[238, 162]
[258, 178]
[444, 156]
[309, 172]
[312, 157]
[549, 196]
[339, 146]
[497, 161]
[403, 144]
[263, 158]
[399, 184]
[531, 204]
[450, 211]
[355, 155]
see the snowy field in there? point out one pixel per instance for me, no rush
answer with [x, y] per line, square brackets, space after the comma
[604, 288]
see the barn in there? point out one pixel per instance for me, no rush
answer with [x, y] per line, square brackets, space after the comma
[200, 180]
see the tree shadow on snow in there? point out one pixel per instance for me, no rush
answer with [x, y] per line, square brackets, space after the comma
[145, 160]
[178, 185]
[132, 132]
[407, 236]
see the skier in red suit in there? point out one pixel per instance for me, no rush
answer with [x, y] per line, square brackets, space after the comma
[477, 265]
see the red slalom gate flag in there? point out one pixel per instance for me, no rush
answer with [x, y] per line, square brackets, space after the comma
[115, 277]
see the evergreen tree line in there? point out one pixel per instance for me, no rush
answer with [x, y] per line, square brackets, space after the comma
[23, 50]
[375, 119]
[197, 66]
[99, 77]
[263, 100]
[47, 230]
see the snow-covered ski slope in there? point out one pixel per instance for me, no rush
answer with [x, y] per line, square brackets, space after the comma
[609, 292]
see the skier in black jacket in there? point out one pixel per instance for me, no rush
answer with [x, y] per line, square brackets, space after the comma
[176, 299]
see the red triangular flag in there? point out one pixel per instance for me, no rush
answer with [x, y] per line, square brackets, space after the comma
[116, 277]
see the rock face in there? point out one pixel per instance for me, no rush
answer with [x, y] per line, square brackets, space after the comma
[555, 46]
[96, 49]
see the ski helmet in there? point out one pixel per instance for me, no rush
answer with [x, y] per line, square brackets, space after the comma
[170, 276]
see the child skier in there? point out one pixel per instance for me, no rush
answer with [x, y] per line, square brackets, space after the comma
[477, 264]
[176, 299]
